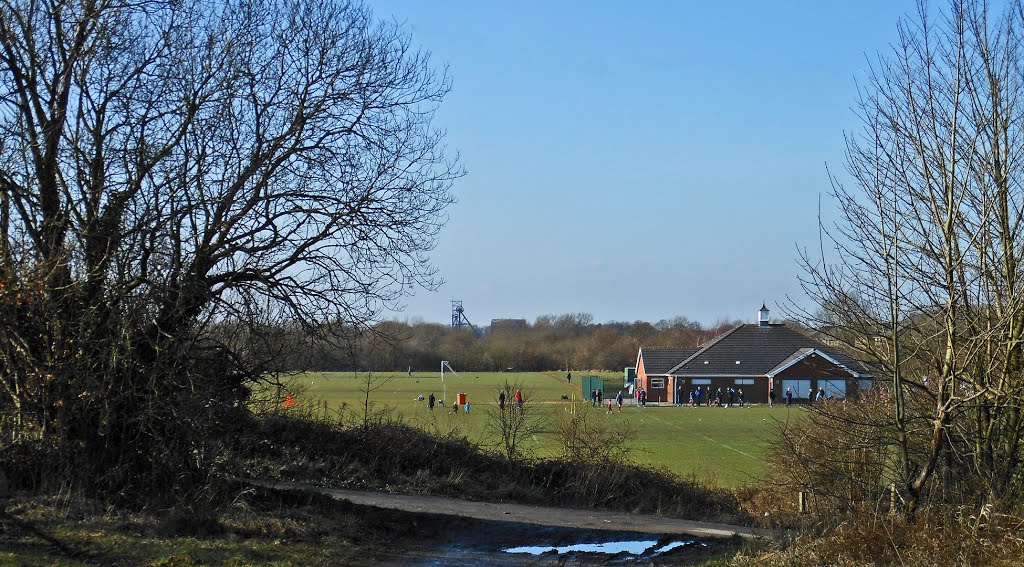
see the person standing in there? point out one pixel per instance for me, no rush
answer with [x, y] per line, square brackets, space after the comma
[739, 395]
[568, 377]
[501, 400]
[789, 396]
[467, 406]
[593, 398]
[771, 398]
[618, 400]
[430, 402]
[599, 396]
[519, 400]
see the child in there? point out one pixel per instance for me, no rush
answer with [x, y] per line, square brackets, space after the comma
[609, 407]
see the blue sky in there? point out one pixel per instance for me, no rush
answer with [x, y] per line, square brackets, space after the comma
[640, 160]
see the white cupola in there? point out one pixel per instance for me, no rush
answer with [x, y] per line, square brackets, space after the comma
[762, 316]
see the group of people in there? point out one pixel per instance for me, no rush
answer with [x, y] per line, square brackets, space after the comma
[618, 402]
[597, 395]
[818, 396]
[433, 401]
[700, 397]
[724, 398]
[641, 397]
[518, 397]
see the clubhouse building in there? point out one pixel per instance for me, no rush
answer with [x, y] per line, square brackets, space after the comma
[756, 358]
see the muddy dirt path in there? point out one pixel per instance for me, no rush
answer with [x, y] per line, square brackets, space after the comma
[536, 515]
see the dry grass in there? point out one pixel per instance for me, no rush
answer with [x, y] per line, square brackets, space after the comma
[396, 457]
[950, 537]
[257, 527]
[75, 531]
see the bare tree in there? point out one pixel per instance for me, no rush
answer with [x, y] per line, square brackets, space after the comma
[926, 276]
[590, 436]
[512, 422]
[176, 178]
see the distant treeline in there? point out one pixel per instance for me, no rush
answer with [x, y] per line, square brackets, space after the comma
[552, 342]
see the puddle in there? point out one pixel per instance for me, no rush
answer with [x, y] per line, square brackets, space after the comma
[610, 548]
[673, 545]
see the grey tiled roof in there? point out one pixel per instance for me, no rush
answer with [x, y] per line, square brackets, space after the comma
[661, 360]
[759, 350]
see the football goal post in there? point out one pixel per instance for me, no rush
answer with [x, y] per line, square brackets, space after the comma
[444, 387]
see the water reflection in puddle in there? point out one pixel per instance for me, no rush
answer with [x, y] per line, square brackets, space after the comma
[611, 548]
[673, 545]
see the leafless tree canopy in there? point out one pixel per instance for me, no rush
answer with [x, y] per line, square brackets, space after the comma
[175, 177]
[927, 275]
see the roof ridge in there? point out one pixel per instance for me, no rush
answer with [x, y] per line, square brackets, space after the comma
[710, 344]
[803, 352]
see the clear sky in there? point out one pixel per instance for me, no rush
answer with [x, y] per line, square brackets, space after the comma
[639, 160]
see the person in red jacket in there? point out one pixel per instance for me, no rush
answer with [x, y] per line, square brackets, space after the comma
[519, 399]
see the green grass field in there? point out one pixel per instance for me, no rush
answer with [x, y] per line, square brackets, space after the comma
[721, 446]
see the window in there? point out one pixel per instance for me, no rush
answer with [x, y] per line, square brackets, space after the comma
[833, 388]
[865, 385]
[744, 381]
[701, 381]
[657, 383]
[800, 388]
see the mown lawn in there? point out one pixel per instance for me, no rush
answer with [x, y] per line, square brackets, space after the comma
[720, 446]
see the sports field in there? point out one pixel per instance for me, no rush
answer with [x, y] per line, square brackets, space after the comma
[723, 446]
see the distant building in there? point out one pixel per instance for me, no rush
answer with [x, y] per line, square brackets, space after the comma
[756, 358]
[508, 324]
